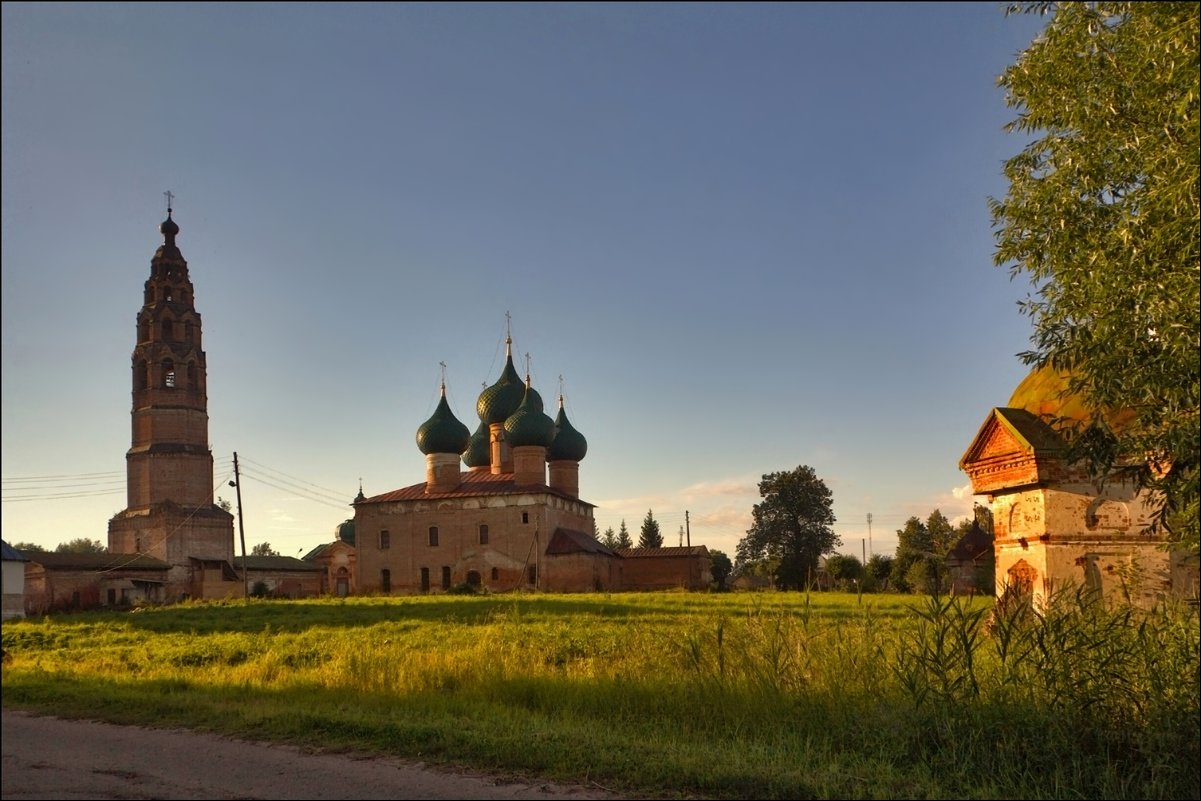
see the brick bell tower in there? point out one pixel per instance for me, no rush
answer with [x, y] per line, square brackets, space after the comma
[170, 513]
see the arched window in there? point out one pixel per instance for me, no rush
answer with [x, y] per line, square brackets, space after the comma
[168, 374]
[166, 293]
[446, 577]
[425, 579]
[385, 580]
[495, 574]
[473, 578]
[483, 533]
[191, 375]
[187, 331]
[143, 330]
[183, 296]
[433, 535]
[168, 333]
[142, 378]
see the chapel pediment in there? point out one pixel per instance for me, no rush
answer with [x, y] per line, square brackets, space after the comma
[1013, 448]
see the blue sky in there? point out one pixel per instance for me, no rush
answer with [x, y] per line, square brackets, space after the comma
[746, 236]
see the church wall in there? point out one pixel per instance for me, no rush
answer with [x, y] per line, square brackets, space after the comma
[514, 544]
[184, 477]
[665, 572]
[170, 424]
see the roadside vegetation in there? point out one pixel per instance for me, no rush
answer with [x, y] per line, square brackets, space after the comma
[721, 695]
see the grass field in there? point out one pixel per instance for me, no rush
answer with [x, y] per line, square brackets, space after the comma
[723, 695]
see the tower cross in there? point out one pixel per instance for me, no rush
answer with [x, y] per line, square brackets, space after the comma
[170, 196]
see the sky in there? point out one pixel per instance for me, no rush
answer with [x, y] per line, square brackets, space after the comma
[737, 238]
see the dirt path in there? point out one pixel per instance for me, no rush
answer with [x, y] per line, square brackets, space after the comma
[53, 758]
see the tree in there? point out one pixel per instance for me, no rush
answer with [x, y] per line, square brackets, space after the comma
[920, 563]
[720, 568]
[879, 568]
[224, 504]
[609, 539]
[1102, 216]
[649, 536]
[623, 537]
[28, 547]
[844, 570]
[81, 545]
[263, 549]
[792, 524]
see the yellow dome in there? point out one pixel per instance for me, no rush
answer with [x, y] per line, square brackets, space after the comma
[1044, 392]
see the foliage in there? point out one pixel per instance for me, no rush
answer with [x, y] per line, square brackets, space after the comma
[81, 545]
[224, 504]
[844, 569]
[720, 568]
[650, 536]
[623, 537]
[792, 524]
[920, 563]
[28, 547]
[1102, 216]
[609, 539]
[263, 549]
[879, 567]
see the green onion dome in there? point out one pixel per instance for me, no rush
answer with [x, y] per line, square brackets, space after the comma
[529, 425]
[442, 433]
[568, 444]
[501, 399]
[478, 453]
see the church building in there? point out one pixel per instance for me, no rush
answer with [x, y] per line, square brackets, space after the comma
[513, 519]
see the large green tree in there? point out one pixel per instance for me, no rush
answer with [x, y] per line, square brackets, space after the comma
[792, 524]
[1102, 216]
[650, 536]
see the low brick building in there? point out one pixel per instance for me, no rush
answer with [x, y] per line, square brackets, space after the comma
[70, 581]
[685, 567]
[281, 576]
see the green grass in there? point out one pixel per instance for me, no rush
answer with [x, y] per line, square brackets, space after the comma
[736, 695]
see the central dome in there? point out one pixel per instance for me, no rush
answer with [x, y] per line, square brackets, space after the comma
[1046, 393]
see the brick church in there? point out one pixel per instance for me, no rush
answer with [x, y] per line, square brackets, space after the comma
[512, 519]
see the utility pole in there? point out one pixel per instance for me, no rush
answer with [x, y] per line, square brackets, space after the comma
[237, 483]
[869, 533]
[688, 528]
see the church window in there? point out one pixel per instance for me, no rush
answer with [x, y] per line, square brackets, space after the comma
[525, 517]
[166, 293]
[143, 375]
[446, 577]
[425, 579]
[167, 333]
[187, 331]
[144, 331]
[533, 574]
[191, 374]
[433, 535]
[168, 374]
[495, 574]
[385, 580]
[183, 296]
[483, 533]
[473, 578]
[385, 540]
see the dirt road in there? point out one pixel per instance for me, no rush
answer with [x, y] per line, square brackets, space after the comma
[64, 759]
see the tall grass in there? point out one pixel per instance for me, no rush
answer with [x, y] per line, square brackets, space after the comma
[670, 694]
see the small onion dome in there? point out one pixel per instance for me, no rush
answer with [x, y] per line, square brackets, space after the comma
[168, 229]
[478, 453]
[442, 433]
[501, 399]
[529, 425]
[345, 532]
[568, 444]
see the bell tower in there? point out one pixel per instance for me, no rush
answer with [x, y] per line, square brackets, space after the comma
[170, 513]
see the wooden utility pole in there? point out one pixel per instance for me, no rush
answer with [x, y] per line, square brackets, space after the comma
[237, 482]
[688, 528]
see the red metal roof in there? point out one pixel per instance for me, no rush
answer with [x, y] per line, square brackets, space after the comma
[475, 484]
[643, 553]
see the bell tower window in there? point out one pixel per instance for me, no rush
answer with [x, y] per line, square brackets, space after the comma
[168, 374]
[167, 331]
